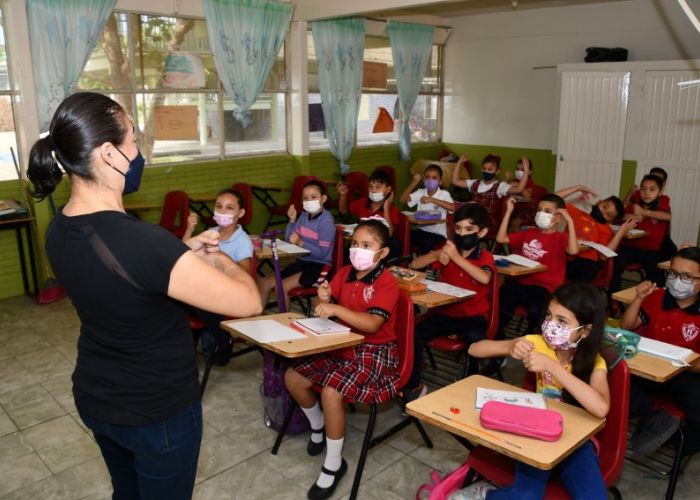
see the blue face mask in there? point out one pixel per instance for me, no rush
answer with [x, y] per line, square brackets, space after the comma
[132, 177]
[487, 176]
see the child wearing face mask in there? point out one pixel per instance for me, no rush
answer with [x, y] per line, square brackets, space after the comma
[429, 198]
[670, 315]
[463, 263]
[544, 244]
[652, 214]
[489, 191]
[313, 230]
[567, 362]
[363, 296]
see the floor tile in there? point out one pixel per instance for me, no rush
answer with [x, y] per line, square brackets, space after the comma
[7, 426]
[30, 406]
[46, 363]
[21, 471]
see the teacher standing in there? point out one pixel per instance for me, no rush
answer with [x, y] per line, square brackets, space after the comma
[135, 381]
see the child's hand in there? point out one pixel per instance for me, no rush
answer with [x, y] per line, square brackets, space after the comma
[342, 189]
[325, 310]
[450, 249]
[444, 258]
[417, 178]
[426, 199]
[388, 201]
[587, 192]
[520, 348]
[295, 239]
[510, 205]
[463, 159]
[192, 222]
[638, 210]
[324, 291]
[204, 243]
[537, 362]
[565, 214]
[526, 164]
[645, 288]
[292, 213]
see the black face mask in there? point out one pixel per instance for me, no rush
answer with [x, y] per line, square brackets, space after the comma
[466, 241]
[597, 214]
[132, 177]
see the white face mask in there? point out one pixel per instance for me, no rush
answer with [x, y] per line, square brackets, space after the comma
[312, 206]
[519, 174]
[376, 197]
[543, 220]
[678, 289]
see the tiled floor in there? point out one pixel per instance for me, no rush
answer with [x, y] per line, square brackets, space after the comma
[45, 452]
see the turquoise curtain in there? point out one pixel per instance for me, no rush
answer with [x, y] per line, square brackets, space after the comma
[245, 37]
[340, 45]
[411, 45]
[63, 34]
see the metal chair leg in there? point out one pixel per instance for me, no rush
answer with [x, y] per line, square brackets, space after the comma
[363, 452]
[676, 468]
[431, 358]
[285, 424]
[426, 439]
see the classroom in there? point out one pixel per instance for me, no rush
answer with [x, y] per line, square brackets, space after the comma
[437, 177]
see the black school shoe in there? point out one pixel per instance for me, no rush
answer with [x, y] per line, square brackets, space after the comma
[318, 493]
[314, 449]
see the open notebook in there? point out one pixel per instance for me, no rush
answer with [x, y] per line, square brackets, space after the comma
[519, 398]
[518, 259]
[321, 326]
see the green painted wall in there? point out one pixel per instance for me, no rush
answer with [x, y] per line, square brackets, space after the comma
[629, 170]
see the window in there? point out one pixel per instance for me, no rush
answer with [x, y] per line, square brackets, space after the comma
[162, 70]
[377, 121]
[8, 137]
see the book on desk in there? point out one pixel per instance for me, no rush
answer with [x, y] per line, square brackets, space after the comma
[11, 208]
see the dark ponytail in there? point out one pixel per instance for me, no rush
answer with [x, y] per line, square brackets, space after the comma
[82, 122]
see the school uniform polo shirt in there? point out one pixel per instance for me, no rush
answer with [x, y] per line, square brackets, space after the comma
[589, 229]
[476, 305]
[667, 322]
[655, 229]
[238, 246]
[548, 249]
[362, 209]
[440, 194]
[376, 293]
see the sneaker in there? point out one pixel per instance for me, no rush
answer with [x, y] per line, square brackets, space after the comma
[653, 431]
[476, 491]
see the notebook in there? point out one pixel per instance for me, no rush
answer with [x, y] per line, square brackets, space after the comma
[286, 247]
[265, 331]
[602, 249]
[518, 259]
[321, 326]
[526, 399]
[447, 289]
[664, 350]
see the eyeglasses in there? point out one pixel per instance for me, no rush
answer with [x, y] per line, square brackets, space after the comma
[684, 277]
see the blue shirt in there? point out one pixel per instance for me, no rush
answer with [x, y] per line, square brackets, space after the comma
[238, 246]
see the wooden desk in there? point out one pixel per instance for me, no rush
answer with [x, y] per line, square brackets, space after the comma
[432, 299]
[516, 270]
[265, 253]
[656, 368]
[17, 224]
[625, 296]
[665, 265]
[298, 348]
[633, 234]
[434, 408]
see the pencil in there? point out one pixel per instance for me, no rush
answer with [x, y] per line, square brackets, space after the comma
[476, 429]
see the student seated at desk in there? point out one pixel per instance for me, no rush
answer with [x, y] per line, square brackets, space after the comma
[314, 230]
[363, 296]
[544, 244]
[465, 264]
[670, 315]
[524, 214]
[429, 198]
[567, 362]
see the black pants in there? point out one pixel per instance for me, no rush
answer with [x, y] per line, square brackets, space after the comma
[469, 328]
[425, 241]
[582, 270]
[683, 390]
[533, 298]
[647, 258]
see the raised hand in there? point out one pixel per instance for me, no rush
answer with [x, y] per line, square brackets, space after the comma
[324, 291]
[292, 213]
[645, 288]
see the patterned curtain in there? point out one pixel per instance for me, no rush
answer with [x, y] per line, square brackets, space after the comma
[245, 37]
[411, 45]
[63, 34]
[340, 45]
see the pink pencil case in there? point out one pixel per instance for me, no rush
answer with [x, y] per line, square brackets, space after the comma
[537, 423]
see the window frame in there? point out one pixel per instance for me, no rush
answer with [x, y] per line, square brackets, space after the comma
[13, 93]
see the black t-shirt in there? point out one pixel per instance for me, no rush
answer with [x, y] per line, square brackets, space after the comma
[136, 362]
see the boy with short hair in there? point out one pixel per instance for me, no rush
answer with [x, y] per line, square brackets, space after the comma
[672, 315]
[429, 198]
[463, 263]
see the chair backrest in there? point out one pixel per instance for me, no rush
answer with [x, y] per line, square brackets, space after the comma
[537, 193]
[176, 210]
[404, 336]
[338, 249]
[297, 193]
[492, 327]
[613, 437]
[403, 233]
[247, 192]
[391, 172]
[604, 276]
[358, 185]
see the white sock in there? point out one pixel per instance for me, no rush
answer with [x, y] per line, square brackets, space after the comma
[333, 461]
[315, 416]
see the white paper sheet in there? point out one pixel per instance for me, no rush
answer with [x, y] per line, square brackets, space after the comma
[526, 399]
[597, 246]
[454, 291]
[631, 232]
[286, 247]
[267, 330]
[518, 259]
[664, 350]
[322, 326]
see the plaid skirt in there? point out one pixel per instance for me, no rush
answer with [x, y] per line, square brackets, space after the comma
[371, 376]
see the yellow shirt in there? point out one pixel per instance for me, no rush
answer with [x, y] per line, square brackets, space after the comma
[546, 383]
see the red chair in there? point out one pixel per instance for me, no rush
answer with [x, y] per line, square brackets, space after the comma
[500, 469]
[456, 345]
[403, 233]
[303, 294]
[358, 185]
[246, 191]
[634, 267]
[278, 213]
[176, 210]
[404, 340]
[604, 276]
[391, 172]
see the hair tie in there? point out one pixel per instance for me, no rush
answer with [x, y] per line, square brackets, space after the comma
[60, 167]
[377, 218]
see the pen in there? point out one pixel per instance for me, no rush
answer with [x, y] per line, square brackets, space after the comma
[299, 329]
[476, 429]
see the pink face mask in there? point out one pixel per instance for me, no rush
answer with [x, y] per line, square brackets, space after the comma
[224, 220]
[558, 336]
[362, 259]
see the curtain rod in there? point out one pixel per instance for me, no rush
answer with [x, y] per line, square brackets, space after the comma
[382, 20]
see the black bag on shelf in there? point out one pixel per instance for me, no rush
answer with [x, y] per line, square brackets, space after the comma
[603, 54]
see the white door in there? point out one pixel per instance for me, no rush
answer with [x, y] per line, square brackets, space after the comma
[592, 117]
[672, 141]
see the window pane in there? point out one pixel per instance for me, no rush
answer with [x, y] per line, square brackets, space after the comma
[317, 132]
[108, 65]
[378, 111]
[4, 76]
[178, 127]
[8, 139]
[266, 132]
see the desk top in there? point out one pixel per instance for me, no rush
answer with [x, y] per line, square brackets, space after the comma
[656, 368]
[266, 253]
[312, 344]
[432, 299]
[16, 220]
[199, 197]
[625, 296]
[434, 408]
[516, 270]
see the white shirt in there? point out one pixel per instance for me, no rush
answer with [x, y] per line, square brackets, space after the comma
[440, 194]
[503, 187]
